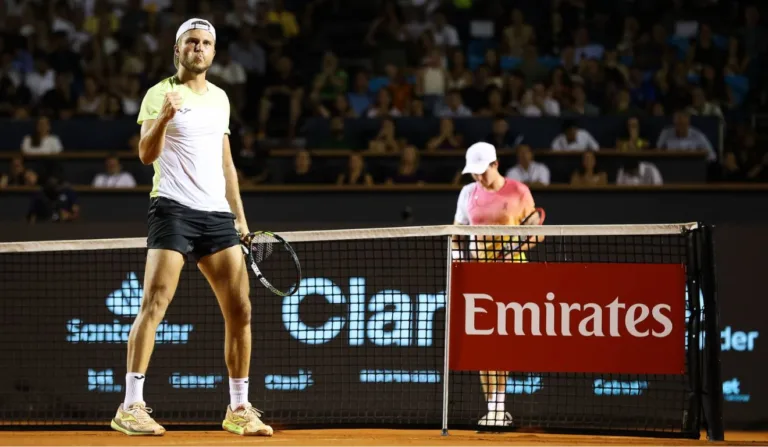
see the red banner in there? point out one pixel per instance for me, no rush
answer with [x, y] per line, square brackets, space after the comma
[600, 318]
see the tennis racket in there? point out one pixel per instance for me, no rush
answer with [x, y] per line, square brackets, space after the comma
[535, 218]
[273, 261]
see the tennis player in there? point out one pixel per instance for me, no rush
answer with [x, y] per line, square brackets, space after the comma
[195, 211]
[492, 200]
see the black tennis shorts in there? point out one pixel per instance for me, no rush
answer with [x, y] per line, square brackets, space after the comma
[193, 233]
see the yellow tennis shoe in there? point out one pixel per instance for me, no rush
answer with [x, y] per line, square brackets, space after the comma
[244, 420]
[136, 421]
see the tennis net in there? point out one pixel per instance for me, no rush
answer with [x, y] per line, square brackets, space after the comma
[363, 342]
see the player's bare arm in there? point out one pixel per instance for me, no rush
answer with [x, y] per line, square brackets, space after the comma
[233, 189]
[153, 131]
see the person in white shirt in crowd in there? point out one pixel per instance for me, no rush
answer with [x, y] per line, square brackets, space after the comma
[42, 80]
[542, 98]
[229, 75]
[639, 173]
[526, 170]
[574, 139]
[683, 137]
[114, 176]
[453, 106]
[701, 106]
[445, 35]
[42, 141]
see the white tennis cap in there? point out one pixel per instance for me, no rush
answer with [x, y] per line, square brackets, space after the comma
[196, 24]
[479, 156]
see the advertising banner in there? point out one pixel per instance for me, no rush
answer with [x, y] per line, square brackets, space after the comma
[575, 317]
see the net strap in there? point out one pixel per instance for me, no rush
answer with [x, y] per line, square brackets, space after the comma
[381, 233]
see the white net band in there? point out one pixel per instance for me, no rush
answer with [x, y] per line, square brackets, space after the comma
[382, 233]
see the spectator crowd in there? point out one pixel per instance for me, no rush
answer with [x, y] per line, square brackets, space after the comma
[286, 63]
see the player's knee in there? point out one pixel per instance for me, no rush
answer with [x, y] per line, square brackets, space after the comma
[155, 302]
[239, 311]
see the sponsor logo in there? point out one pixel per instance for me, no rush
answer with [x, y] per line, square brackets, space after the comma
[561, 315]
[124, 302]
[732, 391]
[591, 321]
[385, 318]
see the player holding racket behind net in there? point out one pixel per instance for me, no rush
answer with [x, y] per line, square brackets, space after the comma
[494, 200]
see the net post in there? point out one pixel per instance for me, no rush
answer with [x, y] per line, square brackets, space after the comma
[713, 403]
[447, 342]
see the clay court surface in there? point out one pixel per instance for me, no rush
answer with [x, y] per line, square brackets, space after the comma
[341, 437]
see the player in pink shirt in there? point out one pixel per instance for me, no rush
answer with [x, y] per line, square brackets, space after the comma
[493, 200]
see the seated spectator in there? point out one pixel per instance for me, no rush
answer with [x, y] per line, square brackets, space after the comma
[459, 75]
[360, 97]
[542, 98]
[731, 170]
[579, 106]
[247, 52]
[431, 80]
[495, 105]
[399, 88]
[286, 19]
[386, 28]
[303, 173]
[632, 141]
[589, 174]
[355, 173]
[386, 140]
[445, 34]
[514, 90]
[338, 138]
[416, 109]
[639, 173]
[92, 102]
[526, 170]
[574, 139]
[448, 139]
[701, 106]
[408, 170]
[531, 68]
[683, 137]
[114, 177]
[501, 137]
[383, 106]
[751, 162]
[624, 105]
[230, 75]
[42, 80]
[453, 107]
[331, 82]
[518, 34]
[282, 99]
[475, 96]
[15, 175]
[42, 142]
[131, 95]
[60, 101]
[338, 108]
[251, 160]
[56, 202]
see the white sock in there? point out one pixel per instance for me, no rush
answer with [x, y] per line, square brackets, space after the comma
[238, 392]
[134, 389]
[500, 398]
[496, 402]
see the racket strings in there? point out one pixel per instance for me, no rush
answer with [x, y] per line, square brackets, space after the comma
[262, 247]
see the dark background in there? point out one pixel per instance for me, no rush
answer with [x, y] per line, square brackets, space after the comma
[741, 243]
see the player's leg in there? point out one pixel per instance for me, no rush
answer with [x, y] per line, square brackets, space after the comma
[226, 272]
[494, 390]
[161, 277]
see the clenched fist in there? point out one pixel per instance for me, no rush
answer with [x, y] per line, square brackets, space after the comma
[171, 103]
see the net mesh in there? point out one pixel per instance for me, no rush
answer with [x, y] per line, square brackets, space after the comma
[360, 343]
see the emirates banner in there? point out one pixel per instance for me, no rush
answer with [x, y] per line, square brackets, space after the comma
[591, 318]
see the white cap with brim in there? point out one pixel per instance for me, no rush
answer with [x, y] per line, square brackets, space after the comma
[479, 157]
[196, 24]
